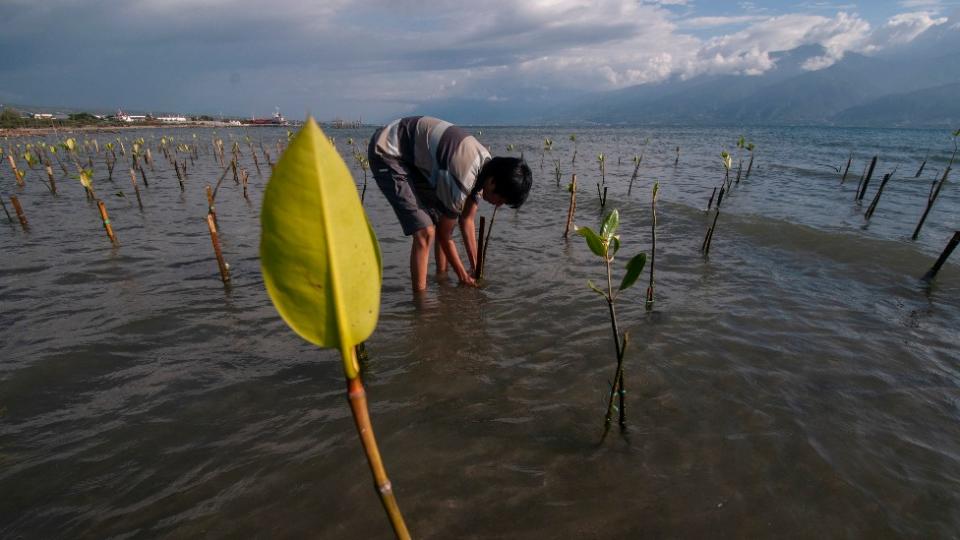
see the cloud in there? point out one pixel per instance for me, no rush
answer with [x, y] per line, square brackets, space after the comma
[904, 28]
[345, 57]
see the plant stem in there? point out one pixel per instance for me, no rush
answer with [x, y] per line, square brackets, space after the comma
[573, 206]
[357, 397]
[653, 249]
[617, 387]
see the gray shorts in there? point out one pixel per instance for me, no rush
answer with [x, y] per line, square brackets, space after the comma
[406, 189]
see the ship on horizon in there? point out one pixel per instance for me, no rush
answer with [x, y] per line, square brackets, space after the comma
[276, 120]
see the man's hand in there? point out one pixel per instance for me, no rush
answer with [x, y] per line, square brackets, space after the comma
[468, 281]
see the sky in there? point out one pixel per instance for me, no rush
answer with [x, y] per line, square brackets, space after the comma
[378, 59]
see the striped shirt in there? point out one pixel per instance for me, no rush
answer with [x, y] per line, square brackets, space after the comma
[447, 156]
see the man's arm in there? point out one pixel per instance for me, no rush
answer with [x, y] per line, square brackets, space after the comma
[467, 230]
[445, 240]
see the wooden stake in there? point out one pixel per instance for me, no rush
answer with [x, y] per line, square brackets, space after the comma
[710, 202]
[677, 160]
[483, 227]
[876, 198]
[19, 209]
[951, 245]
[176, 167]
[5, 211]
[486, 244]
[215, 239]
[573, 206]
[210, 208]
[846, 169]
[920, 170]
[931, 198]
[53, 182]
[16, 171]
[106, 222]
[866, 179]
[136, 188]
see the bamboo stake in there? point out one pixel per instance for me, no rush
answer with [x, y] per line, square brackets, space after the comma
[5, 211]
[931, 198]
[106, 222]
[951, 245]
[920, 170]
[486, 242]
[749, 166]
[357, 397]
[143, 175]
[16, 172]
[479, 257]
[710, 202]
[677, 160]
[53, 182]
[136, 188]
[866, 180]
[215, 239]
[210, 208]
[19, 209]
[708, 239]
[846, 169]
[876, 198]
[573, 206]
[176, 168]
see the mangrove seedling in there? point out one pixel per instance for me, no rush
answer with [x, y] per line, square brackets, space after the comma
[573, 160]
[572, 210]
[602, 162]
[321, 266]
[547, 147]
[727, 163]
[605, 245]
[637, 160]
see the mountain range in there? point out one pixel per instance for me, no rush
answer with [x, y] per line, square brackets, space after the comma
[911, 85]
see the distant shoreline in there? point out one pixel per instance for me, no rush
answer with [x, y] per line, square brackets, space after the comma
[28, 131]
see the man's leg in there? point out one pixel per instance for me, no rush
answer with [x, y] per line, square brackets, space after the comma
[420, 257]
[441, 259]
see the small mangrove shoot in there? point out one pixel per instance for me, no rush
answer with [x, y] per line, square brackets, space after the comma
[605, 245]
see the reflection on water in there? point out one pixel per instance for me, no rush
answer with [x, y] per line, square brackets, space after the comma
[800, 381]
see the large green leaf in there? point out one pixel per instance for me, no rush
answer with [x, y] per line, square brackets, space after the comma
[634, 267]
[319, 255]
[593, 241]
[610, 224]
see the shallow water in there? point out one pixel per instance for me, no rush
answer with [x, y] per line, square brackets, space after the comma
[800, 381]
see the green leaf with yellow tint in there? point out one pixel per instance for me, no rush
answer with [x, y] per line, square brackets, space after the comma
[319, 255]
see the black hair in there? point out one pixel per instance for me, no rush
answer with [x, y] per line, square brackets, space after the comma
[511, 179]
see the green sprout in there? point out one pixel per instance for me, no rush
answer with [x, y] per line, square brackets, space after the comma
[605, 245]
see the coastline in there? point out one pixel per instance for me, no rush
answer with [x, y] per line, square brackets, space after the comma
[30, 131]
